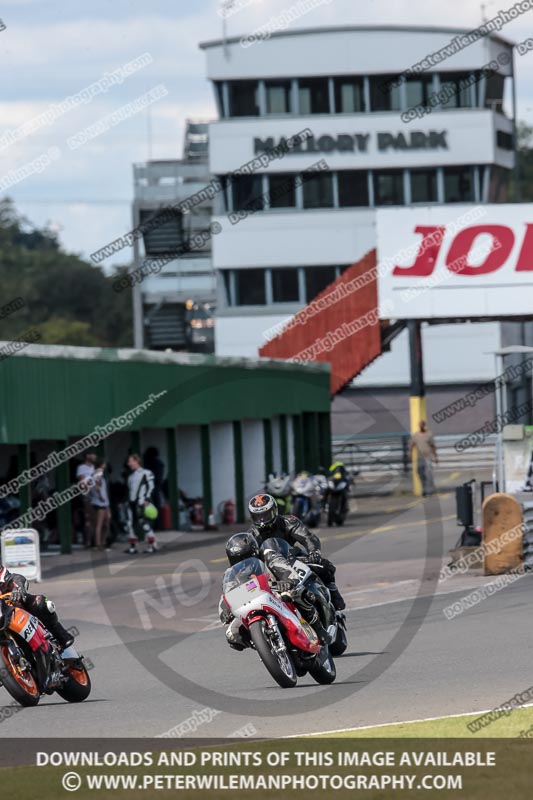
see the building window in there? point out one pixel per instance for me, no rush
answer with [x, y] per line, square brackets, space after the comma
[243, 99]
[418, 91]
[282, 192]
[458, 185]
[424, 186]
[353, 187]
[349, 95]
[388, 187]
[456, 87]
[494, 90]
[285, 285]
[164, 231]
[278, 97]
[250, 287]
[384, 96]
[318, 190]
[226, 277]
[219, 94]
[316, 279]
[247, 192]
[314, 96]
[504, 140]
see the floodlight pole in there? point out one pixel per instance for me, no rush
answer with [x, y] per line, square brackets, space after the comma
[499, 419]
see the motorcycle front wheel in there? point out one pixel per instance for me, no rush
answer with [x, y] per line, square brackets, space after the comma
[19, 681]
[279, 664]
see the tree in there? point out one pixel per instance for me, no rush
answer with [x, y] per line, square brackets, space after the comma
[67, 299]
[524, 139]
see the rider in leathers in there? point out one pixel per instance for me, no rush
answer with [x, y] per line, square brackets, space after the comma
[36, 604]
[266, 523]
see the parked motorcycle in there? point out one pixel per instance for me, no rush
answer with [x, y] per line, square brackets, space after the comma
[31, 661]
[337, 496]
[279, 486]
[306, 502]
[284, 641]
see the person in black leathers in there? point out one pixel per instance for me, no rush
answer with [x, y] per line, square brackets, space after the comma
[36, 604]
[244, 545]
[267, 522]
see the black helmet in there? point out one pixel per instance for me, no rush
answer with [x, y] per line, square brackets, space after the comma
[263, 511]
[241, 546]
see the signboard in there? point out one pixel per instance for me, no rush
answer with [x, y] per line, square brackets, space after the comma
[359, 142]
[21, 553]
[449, 261]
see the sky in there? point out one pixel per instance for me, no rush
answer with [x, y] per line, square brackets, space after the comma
[53, 49]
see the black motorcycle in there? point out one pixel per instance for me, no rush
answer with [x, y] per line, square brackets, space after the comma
[337, 497]
[332, 620]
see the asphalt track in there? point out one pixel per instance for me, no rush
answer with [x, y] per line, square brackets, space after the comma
[156, 665]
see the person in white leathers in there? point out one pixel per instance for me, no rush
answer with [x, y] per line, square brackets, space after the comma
[140, 489]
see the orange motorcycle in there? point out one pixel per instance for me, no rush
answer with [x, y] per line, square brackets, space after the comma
[31, 661]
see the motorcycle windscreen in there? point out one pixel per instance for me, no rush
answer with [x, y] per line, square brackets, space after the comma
[242, 573]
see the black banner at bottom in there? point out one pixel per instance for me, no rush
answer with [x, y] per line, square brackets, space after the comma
[198, 769]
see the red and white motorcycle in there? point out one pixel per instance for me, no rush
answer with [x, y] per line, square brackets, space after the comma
[287, 645]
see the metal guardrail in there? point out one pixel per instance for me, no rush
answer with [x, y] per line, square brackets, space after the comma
[389, 453]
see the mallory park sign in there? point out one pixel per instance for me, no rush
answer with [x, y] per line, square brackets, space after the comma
[358, 142]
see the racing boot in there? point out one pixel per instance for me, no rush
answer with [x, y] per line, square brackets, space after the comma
[234, 637]
[46, 611]
[336, 597]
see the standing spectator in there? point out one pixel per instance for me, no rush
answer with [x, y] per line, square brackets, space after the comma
[153, 463]
[99, 499]
[140, 491]
[426, 451]
[83, 472]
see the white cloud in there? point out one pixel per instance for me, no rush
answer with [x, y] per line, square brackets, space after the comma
[56, 50]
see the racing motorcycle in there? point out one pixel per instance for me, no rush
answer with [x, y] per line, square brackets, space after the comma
[279, 486]
[306, 503]
[31, 661]
[286, 644]
[337, 497]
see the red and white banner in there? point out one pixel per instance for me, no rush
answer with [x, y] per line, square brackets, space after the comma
[456, 261]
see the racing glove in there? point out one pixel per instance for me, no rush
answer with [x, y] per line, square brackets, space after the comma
[315, 557]
[18, 594]
[226, 616]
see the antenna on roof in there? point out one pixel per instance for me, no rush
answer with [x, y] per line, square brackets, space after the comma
[483, 7]
[225, 6]
[149, 131]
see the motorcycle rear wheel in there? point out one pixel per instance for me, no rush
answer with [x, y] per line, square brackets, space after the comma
[78, 687]
[280, 667]
[332, 511]
[323, 670]
[20, 683]
[340, 644]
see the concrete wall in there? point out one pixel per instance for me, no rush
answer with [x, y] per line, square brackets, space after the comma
[222, 465]
[379, 410]
[276, 445]
[290, 444]
[189, 460]
[253, 457]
